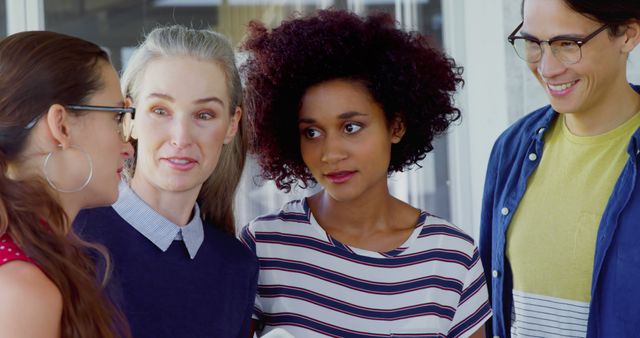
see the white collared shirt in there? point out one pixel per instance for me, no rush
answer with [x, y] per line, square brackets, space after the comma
[155, 227]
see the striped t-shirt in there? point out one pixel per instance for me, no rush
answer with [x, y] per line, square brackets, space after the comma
[314, 286]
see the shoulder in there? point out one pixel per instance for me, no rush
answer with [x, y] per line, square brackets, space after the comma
[232, 248]
[529, 124]
[519, 135]
[94, 223]
[30, 303]
[293, 212]
[447, 236]
[238, 258]
[94, 216]
[292, 218]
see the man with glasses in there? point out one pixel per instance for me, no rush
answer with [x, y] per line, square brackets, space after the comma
[560, 232]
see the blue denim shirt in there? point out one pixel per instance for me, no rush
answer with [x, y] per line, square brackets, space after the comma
[614, 310]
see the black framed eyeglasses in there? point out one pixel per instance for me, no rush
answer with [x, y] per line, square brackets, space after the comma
[567, 50]
[125, 116]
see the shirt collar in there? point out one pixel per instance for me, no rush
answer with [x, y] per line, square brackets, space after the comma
[155, 227]
[544, 123]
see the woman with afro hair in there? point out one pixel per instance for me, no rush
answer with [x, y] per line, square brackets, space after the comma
[344, 101]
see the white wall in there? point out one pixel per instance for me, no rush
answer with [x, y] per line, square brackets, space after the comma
[474, 36]
[633, 73]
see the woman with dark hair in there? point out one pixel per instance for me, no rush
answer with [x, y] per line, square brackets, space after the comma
[63, 140]
[561, 210]
[345, 101]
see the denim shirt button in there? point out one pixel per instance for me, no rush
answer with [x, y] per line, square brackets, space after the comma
[541, 130]
[533, 157]
[495, 274]
[504, 211]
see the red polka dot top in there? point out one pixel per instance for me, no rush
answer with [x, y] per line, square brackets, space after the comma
[9, 251]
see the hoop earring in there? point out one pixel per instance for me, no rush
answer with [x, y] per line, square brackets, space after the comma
[50, 181]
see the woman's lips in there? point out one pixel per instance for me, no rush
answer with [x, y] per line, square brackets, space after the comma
[180, 163]
[339, 177]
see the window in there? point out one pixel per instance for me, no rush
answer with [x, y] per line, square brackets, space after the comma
[119, 25]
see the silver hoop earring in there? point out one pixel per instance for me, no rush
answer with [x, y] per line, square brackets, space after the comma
[50, 181]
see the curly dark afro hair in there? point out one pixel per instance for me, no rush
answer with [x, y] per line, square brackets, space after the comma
[402, 72]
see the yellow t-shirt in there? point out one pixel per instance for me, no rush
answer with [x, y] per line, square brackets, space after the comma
[551, 239]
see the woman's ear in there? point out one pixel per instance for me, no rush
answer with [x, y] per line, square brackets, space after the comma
[632, 36]
[398, 128]
[57, 124]
[128, 102]
[232, 130]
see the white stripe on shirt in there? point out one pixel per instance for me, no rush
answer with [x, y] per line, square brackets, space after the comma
[545, 316]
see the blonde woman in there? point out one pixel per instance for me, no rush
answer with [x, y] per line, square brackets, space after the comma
[178, 269]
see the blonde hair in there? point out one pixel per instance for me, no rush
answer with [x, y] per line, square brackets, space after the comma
[217, 194]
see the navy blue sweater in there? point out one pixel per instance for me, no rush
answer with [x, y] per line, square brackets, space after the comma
[167, 294]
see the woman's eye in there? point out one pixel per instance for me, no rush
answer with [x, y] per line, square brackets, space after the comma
[311, 133]
[351, 128]
[205, 115]
[159, 111]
